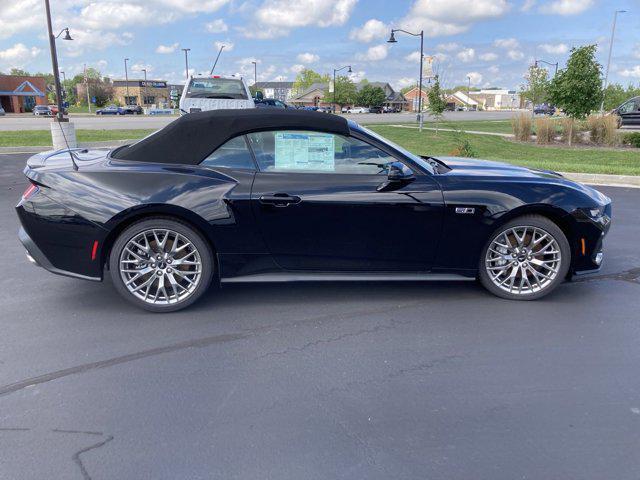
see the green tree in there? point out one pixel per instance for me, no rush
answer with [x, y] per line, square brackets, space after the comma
[436, 102]
[536, 87]
[370, 96]
[19, 71]
[345, 92]
[578, 89]
[306, 78]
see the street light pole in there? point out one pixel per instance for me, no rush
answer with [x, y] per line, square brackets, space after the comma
[144, 90]
[255, 73]
[392, 39]
[186, 62]
[335, 87]
[126, 81]
[469, 89]
[54, 60]
[535, 63]
[606, 76]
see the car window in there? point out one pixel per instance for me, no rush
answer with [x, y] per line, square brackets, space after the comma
[316, 152]
[630, 106]
[233, 154]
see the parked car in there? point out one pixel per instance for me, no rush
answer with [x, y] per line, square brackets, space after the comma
[111, 110]
[170, 213]
[311, 108]
[42, 111]
[378, 109]
[212, 93]
[133, 110]
[387, 109]
[270, 103]
[325, 109]
[629, 112]
[356, 110]
[544, 109]
[1, 111]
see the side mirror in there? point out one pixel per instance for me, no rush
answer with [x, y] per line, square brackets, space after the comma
[398, 176]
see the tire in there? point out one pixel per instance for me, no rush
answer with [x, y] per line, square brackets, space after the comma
[156, 281]
[525, 259]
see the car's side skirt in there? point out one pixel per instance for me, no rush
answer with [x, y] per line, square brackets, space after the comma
[345, 277]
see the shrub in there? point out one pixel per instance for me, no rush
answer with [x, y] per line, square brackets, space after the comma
[632, 139]
[570, 130]
[521, 125]
[463, 146]
[603, 130]
[545, 130]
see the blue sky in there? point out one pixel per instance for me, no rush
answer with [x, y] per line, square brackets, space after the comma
[492, 41]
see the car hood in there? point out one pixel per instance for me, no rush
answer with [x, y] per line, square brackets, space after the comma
[472, 167]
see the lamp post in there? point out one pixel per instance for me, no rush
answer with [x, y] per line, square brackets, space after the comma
[551, 64]
[186, 62]
[126, 81]
[144, 90]
[392, 39]
[255, 73]
[606, 76]
[54, 59]
[469, 89]
[333, 106]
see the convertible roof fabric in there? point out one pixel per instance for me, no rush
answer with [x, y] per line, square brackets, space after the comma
[191, 138]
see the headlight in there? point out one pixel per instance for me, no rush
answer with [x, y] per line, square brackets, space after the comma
[597, 214]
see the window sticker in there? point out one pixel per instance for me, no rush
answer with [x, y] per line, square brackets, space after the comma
[305, 151]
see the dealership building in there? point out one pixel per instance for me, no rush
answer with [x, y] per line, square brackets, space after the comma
[141, 92]
[19, 94]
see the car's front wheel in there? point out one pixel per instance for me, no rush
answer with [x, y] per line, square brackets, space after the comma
[525, 259]
[161, 264]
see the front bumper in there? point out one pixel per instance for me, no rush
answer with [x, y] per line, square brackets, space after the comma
[35, 256]
[590, 235]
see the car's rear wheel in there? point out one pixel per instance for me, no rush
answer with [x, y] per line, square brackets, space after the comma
[525, 259]
[161, 265]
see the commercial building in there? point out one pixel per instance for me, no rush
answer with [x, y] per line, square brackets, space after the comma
[412, 97]
[19, 94]
[141, 92]
[282, 91]
[461, 100]
[497, 99]
[314, 95]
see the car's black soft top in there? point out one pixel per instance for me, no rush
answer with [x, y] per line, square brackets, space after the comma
[191, 138]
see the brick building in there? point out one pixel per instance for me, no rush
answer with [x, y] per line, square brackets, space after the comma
[19, 94]
[141, 92]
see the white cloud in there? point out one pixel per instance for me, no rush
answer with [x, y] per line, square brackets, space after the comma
[371, 30]
[276, 18]
[357, 76]
[228, 46]
[466, 55]
[631, 72]
[165, 49]
[297, 68]
[308, 58]
[91, 40]
[216, 26]
[447, 47]
[493, 69]
[18, 56]
[527, 5]
[515, 54]
[374, 54]
[20, 15]
[115, 15]
[191, 6]
[509, 43]
[413, 57]
[403, 82]
[476, 78]
[488, 57]
[138, 67]
[450, 17]
[566, 7]
[557, 49]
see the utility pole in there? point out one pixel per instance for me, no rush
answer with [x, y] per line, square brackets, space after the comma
[255, 73]
[126, 81]
[54, 61]
[186, 62]
[469, 90]
[606, 76]
[335, 88]
[144, 88]
[86, 87]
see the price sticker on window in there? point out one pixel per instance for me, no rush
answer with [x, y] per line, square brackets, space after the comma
[305, 151]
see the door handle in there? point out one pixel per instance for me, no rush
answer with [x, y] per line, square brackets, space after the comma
[279, 199]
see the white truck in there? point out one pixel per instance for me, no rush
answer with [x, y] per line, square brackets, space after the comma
[215, 93]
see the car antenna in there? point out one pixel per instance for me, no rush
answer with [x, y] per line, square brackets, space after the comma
[71, 154]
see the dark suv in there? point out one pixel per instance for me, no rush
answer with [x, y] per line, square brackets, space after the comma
[629, 112]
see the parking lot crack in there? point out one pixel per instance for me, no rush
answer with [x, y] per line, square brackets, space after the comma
[78, 460]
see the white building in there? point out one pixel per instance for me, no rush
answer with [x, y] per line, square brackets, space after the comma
[279, 90]
[497, 99]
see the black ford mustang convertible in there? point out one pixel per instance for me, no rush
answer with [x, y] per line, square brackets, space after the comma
[282, 195]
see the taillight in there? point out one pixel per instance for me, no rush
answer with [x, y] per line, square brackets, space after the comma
[31, 190]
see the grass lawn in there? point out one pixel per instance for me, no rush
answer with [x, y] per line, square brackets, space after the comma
[494, 126]
[585, 160]
[39, 138]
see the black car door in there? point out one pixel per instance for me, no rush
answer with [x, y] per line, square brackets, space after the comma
[317, 202]
[630, 112]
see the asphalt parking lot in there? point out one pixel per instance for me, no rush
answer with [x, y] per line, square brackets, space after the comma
[320, 381]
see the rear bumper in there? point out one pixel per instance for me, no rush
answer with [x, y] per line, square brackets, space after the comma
[35, 256]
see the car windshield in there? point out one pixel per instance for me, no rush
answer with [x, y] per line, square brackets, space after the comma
[420, 161]
[216, 88]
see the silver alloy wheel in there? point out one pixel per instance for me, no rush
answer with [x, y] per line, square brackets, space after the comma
[160, 266]
[523, 260]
